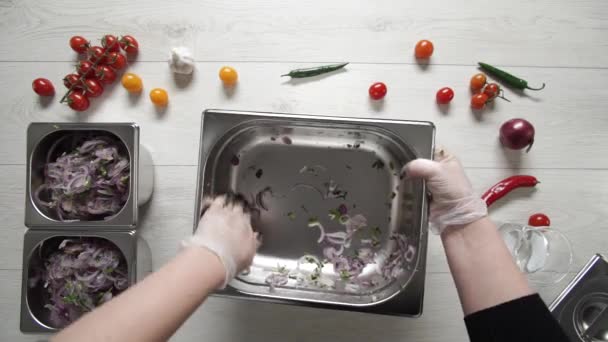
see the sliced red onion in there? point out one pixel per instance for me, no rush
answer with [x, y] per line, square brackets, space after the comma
[87, 278]
[88, 182]
[276, 279]
[331, 253]
[366, 254]
[349, 269]
[410, 254]
[321, 229]
[355, 223]
[80, 275]
[337, 235]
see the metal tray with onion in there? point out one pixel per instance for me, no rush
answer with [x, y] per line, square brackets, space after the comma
[56, 160]
[301, 172]
[39, 244]
[46, 141]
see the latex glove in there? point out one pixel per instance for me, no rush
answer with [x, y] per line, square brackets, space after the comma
[225, 230]
[453, 200]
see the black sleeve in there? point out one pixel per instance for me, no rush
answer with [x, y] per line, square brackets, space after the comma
[522, 320]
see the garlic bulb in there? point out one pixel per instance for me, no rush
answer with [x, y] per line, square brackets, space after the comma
[181, 60]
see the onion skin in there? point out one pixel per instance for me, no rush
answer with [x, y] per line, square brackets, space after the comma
[517, 134]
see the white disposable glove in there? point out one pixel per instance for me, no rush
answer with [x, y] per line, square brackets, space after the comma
[453, 201]
[225, 230]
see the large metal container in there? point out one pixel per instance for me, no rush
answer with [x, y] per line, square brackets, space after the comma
[34, 316]
[293, 164]
[582, 307]
[45, 137]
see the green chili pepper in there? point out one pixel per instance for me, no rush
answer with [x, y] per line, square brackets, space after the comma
[309, 72]
[507, 78]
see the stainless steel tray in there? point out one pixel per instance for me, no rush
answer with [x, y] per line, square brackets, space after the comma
[311, 165]
[34, 317]
[582, 307]
[41, 136]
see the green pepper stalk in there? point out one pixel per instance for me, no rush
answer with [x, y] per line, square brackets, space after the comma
[507, 78]
[309, 72]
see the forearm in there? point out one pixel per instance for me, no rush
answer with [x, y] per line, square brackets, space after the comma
[482, 267]
[153, 309]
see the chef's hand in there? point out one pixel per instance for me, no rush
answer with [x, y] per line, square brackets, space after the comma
[225, 230]
[453, 200]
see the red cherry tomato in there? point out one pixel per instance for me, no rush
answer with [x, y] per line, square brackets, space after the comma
[78, 101]
[110, 43]
[92, 87]
[96, 53]
[424, 49]
[478, 101]
[84, 67]
[105, 74]
[116, 60]
[129, 44]
[491, 90]
[377, 90]
[43, 87]
[79, 44]
[444, 95]
[539, 220]
[72, 80]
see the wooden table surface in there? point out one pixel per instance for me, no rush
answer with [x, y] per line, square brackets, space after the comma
[562, 43]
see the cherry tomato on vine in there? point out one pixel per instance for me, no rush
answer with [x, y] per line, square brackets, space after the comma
[105, 74]
[129, 44]
[79, 44]
[110, 43]
[159, 96]
[132, 82]
[478, 101]
[424, 49]
[539, 220]
[84, 67]
[78, 101]
[491, 90]
[96, 53]
[444, 95]
[228, 75]
[377, 91]
[478, 81]
[72, 80]
[116, 60]
[43, 87]
[92, 87]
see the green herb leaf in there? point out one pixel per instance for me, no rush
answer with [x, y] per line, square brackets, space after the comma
[334, 214]
[344, 275]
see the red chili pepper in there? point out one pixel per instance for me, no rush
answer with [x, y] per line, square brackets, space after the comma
[505, 186]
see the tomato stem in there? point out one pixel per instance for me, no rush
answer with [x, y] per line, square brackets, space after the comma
[84, 76]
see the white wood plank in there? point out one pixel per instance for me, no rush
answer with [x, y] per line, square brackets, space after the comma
[517, 32]
[569, 115]
[168, 218]
[564, 42]
[236, 320]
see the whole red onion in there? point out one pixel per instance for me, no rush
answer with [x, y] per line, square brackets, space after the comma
[517, 134]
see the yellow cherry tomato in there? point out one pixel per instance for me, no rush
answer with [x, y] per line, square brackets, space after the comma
[159, 96]
[228, 75]
[132, 82]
